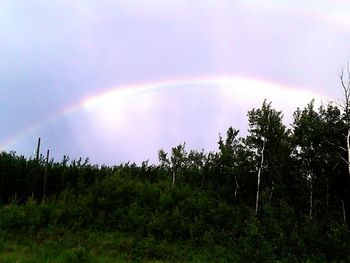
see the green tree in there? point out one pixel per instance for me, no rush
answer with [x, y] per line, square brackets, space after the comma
[229, 157]
[308, 136]
[268, 143]
[178, 160]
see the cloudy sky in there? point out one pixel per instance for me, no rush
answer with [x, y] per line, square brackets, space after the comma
[118, 80]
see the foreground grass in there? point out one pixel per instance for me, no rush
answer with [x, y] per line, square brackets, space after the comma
[60, 246]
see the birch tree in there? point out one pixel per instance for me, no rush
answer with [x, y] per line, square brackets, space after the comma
[345, 104]
[305, 138]
[176, 162]
[267, 141]
[334, 153]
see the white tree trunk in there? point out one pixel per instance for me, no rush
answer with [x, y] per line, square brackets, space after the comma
[348, 148]
[174, 175]
[311, 196]
[344, 212]
[272, 189]
[259, 175]
[237, 186]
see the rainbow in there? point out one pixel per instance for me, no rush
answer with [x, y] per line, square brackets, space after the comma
[235, 86]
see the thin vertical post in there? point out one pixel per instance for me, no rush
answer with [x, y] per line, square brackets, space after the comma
[36, 170]
[38, 151]
[45, 176]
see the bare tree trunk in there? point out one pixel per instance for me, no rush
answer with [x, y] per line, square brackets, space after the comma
[38, 151]
[272, 189]
[344, 212]
[36, 170]
[311, 196]
[327, 195]
[174, 175]
[345, 82]
[259, 175]
[348, 148]
[237, 186]
[346, 107]
[45, 176]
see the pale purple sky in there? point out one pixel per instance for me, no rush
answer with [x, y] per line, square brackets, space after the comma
[205, 64]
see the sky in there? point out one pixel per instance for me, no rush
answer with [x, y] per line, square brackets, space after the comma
[116, 81]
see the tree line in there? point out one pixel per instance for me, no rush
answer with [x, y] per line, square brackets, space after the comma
[305, 166]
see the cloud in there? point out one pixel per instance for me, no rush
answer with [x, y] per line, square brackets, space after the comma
[55, 53]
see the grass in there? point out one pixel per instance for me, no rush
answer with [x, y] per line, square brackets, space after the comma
[56, 248]
[59, 246]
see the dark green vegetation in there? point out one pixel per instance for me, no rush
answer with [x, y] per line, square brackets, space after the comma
[276, 195]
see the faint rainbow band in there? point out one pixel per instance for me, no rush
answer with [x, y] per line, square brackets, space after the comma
[130, 92]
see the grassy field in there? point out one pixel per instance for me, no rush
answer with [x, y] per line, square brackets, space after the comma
[101, 247]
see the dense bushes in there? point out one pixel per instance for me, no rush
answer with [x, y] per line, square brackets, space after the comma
[124, 203]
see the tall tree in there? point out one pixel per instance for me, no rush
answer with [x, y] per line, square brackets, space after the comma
[345, 82]
[228, 156]
[178, 160]
[268, 143]
[308, 141]
[195, 162]
[345, 106]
